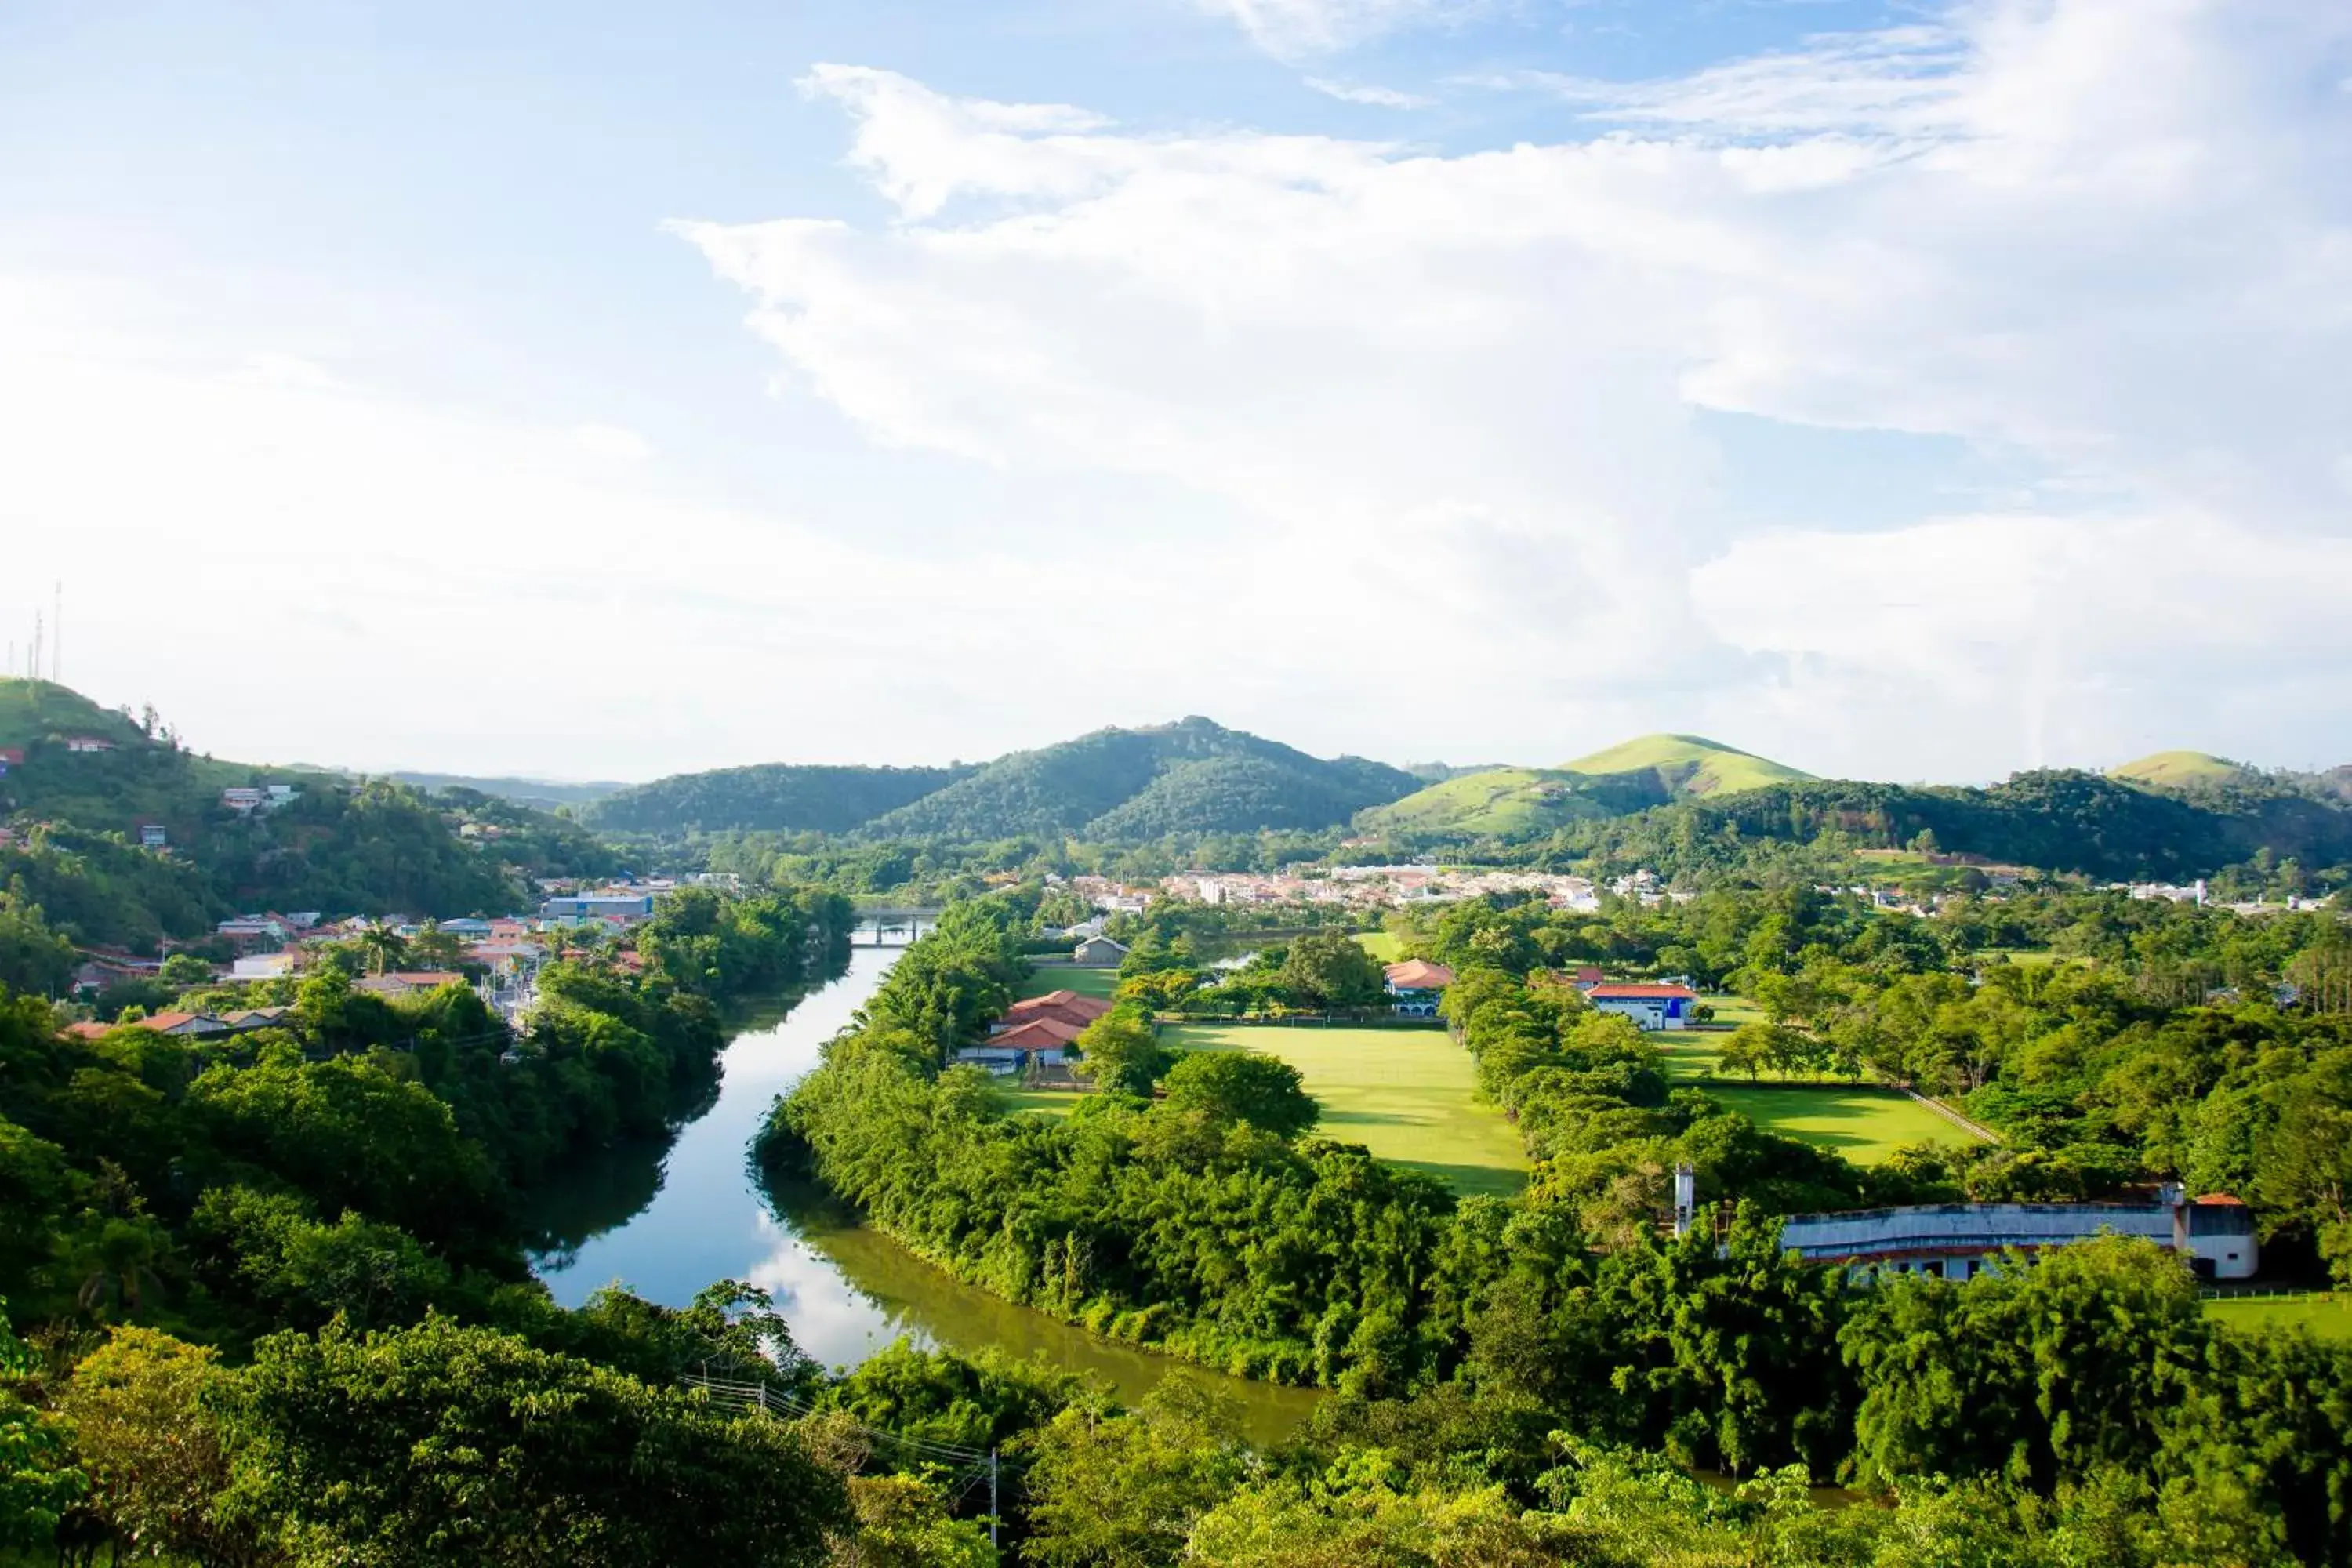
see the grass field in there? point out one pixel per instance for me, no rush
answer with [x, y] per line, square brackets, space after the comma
[2327, 1316]
[1054, 1102]
[1069, 977]
[1386, 946]
[1408, 1095]
[1865, 1124]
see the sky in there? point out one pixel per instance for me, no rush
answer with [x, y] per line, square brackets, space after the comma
[1904, 391]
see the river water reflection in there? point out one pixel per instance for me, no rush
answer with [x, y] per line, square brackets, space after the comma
[668, 1221]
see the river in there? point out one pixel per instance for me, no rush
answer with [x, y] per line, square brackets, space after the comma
[666, 1221]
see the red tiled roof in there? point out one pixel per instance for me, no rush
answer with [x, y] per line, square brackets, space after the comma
[1626, 992]
[1066, 1004]
[1419, 974]
[87, 1030]
[168, 1020]
[2221, 1198]
[1037, 1035]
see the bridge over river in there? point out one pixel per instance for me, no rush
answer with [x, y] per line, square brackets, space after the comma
[889, 927]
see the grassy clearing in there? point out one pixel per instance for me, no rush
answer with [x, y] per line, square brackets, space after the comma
[1069, 977]
[1384, 945]
[1408, 1095]
[1865, 1124]
[1054, 1102]
[2327, 1316]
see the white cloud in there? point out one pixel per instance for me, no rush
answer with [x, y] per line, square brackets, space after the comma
[1372, 95]
[614, 441]
[293, 566]
[1290, 30]
[1456, 391]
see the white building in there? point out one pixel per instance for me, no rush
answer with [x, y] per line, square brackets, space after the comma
[2215, 1233]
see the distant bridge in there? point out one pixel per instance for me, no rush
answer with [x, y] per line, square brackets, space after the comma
[891, 927]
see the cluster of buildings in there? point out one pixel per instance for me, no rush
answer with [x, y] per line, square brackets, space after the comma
[2195, 893]
[1397, 886]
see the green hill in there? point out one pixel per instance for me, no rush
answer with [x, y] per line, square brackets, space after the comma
[771, 797]
[2180, 770]
[1689, 765]
[1193, 776]
[340, 845]
[1512, 803]
[32, 712]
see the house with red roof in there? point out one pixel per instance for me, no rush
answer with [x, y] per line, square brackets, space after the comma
[1067, 1006]
[1414, 986]
[1035, 1034]
[1652, 1006]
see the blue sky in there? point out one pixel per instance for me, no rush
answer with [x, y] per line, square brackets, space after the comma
[1912, 391]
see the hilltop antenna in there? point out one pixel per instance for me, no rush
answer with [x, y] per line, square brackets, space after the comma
[36, 645]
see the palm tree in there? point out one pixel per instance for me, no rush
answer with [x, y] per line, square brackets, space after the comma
[118, 1264]
[383, 945]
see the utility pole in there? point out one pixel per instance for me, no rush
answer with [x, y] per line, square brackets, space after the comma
[993, 1520]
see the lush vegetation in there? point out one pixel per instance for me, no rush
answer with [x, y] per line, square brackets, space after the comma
[2087, 1387]
[282, 1314]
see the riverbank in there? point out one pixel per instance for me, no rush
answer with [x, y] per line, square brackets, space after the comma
[666, 1218]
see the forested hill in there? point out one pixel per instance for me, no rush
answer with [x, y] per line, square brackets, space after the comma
[2057, 820]
[773, 797]
[339, 845]
[1193, 776]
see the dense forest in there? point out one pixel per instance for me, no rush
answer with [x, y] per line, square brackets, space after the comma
[260, 1275]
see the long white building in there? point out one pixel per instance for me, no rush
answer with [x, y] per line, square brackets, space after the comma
[2215, 1233]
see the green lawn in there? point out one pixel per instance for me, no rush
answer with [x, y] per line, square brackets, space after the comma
[2327, 1316]
[1408, 1095]
[1069, 977]
[1383, 945]
[1054, 1102]
[1863, 1124]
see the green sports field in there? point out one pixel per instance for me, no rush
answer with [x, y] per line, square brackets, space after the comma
[1408, 1095]
[1386, 946]
[1863, 1124]
[2327, 1316]
[1069, 977]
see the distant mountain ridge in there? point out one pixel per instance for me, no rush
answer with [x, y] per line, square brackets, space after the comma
[1192, 776]
[540, 795]
[768, 797]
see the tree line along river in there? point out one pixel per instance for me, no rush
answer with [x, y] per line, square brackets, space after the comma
[668, 1220]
